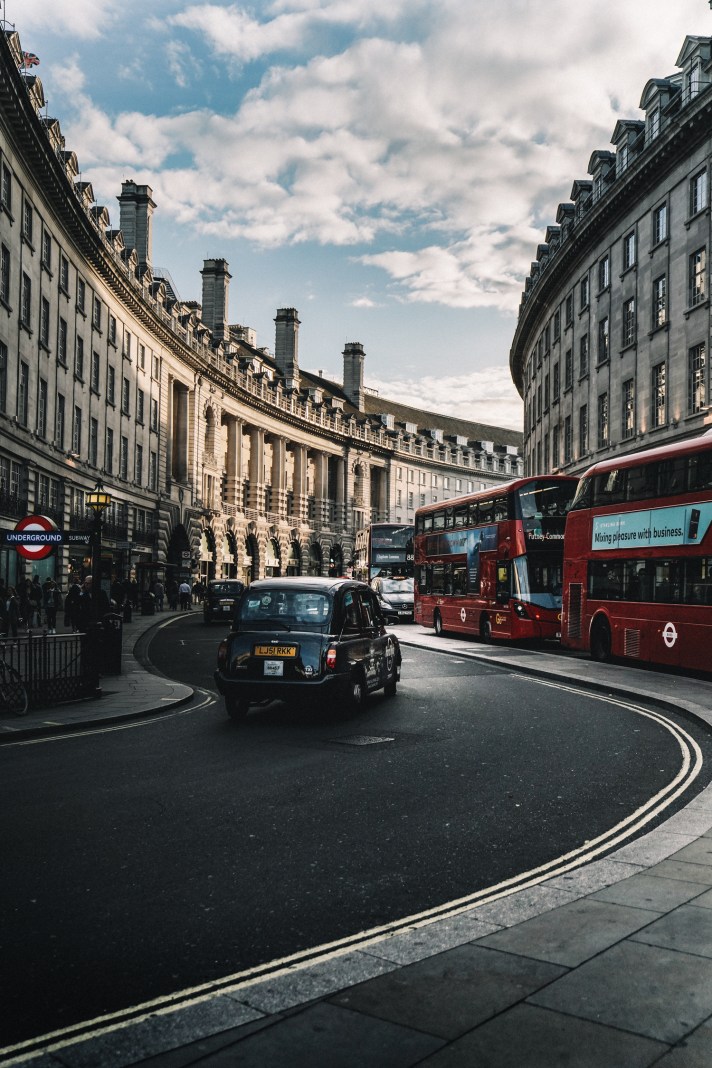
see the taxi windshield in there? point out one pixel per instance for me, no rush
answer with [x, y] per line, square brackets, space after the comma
[284, 609]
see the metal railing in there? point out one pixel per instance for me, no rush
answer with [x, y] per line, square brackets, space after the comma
[53, 667]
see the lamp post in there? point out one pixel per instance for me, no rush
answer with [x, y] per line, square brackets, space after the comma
[98, 500]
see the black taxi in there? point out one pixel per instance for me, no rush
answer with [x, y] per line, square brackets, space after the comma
[299, 639]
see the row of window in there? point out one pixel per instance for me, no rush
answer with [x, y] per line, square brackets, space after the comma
[673, 581]
[697, 400]
[658, 478]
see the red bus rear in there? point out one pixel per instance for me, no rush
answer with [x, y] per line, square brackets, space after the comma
[638, 558]
[489, 565]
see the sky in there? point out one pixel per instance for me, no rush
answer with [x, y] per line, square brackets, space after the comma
[386, 167]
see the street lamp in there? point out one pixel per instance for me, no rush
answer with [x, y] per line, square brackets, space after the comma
[98, 500]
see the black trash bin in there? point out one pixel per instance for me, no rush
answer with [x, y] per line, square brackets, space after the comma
[111, 644]
[148, 604]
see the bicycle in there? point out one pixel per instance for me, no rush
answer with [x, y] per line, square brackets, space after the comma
[13, 694]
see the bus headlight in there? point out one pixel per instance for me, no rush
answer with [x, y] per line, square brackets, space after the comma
[520, 610]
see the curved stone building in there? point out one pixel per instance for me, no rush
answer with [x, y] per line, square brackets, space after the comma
[611, 350]
[221, 458]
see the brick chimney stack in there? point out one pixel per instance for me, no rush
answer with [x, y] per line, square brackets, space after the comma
[135, 210]
[216, 285]
[353, 373]
[286, 345]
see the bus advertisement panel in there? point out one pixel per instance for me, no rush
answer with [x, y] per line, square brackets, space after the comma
[638, 558]
[490, 564]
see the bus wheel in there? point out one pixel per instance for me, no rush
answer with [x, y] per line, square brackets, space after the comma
[438, 625]
[601, 641]
[485, 630]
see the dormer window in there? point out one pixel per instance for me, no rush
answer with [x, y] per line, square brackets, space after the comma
[621, 159]
[693, 80]
[653, 124]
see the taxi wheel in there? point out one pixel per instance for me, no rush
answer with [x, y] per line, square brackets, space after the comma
[391, 687]
[356, 693]
[236, 709]
[438, 625]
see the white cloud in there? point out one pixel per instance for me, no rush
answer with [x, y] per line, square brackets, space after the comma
[483, 396]
[437, 149]
[83, 19]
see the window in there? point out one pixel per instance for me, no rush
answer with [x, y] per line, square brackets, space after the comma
[693, 81]
[6, 189]
[93, 442]
[46, 250]
[155, 367]
[3, 376]
[557, 325]
[604, 273]
[660, 224]
[142, 357]
[153, 473]
[81, 295]
[584, 294]
[659, 302]
[538, 405]
[44, 322]
[583, 430]
[126, 350]
[628, 413]
[23, 387]
[698, 192]
[111, 385]
[696, 391]
[26, 301]
[621, 159]
[112, 329]
[138, 465]
[62, 342]
[77, 431]
[602, 420]
[569, 312]
[79, 359]
[653, 124]
[95, 371]
[140, 398]
[109, 451]
[64, 274]
[154, 417]
[583, 356]
[125, 396]
[603, 340]
[556, 382]
[410, 499]
[96, 314]
[5, 275]
[697, 280]
[568, 369]
[27, 221]
[124, 458]
[629, 322]
[659, 395]
[546, 393]
[555, 448]
[629, 250]
[42, 408]
[59, 422]
[568, 440]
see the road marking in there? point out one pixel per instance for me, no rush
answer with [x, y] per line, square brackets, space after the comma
[295, 962]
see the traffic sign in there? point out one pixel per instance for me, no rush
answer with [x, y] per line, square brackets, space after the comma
[34, 537]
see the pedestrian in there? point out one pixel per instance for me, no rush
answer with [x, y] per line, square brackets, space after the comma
[71, 604]
[172, 593]
[52, 604]
[198, 591]
[36, 600]
[184, 593]
[85, 606]
[24, 605]
[133, 586]
[159, 593]
[13, 611]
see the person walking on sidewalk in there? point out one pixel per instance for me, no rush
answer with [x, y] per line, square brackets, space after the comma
[71, 605]
[159, 593]
[184, 593]
[52, 597]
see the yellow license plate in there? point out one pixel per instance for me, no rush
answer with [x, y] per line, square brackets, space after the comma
[276, 650]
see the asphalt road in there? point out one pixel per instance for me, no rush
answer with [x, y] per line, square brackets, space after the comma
[141, 861]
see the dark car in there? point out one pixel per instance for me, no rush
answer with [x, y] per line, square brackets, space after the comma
[220, 600]
[396, 597]
[303, 639]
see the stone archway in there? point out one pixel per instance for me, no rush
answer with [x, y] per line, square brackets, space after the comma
[206, 556]
[229, 555]
[251, 560]
[315, 558]
[294, 558]
[273, 559]
[336, 561]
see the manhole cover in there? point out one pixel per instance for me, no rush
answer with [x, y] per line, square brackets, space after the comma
[362, 739]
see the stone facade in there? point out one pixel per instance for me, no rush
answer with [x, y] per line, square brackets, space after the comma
[611, 350]
[221, 459]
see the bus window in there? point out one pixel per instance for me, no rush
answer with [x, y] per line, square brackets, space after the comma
[500, 509]
[448, 519]
[699, 474]
[427, 522]
[609, 488]
[439, 521]
[447, 578]
[459, 579]
[438, 581]
[503, 589]
[584, 494]
[671, 476]
[460, 517]
[642, 482]
[485, 512]
[474, 514]
[420, 578]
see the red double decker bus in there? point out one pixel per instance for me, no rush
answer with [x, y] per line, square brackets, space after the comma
[490, 564]
[638, 558]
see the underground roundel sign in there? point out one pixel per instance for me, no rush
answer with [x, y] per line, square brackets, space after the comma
[34, 537]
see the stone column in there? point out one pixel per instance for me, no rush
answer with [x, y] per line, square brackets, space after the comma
[256, 494]
[233, 463]
[279, 475]
[301, 502]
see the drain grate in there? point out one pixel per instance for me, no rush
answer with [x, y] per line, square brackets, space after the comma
[362, 739]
